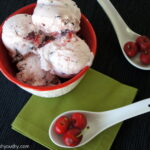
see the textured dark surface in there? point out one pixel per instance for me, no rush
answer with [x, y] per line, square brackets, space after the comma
[135, 133]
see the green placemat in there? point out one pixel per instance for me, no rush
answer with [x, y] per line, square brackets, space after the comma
[96, 92]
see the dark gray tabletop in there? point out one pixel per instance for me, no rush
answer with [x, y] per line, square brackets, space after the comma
[134, 133]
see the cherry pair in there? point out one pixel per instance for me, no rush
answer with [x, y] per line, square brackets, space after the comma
[142, 46]
[71, 128]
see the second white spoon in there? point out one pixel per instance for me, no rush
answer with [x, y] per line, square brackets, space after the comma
[124, 33]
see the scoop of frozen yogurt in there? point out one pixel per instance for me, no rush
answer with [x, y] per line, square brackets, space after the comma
[57, 16]
[15, 31]
[65, 56]
[31, 73]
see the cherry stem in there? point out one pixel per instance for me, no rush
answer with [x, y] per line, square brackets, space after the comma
[84, 130]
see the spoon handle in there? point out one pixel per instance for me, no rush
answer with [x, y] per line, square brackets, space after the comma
[120, 114]
[118, 23]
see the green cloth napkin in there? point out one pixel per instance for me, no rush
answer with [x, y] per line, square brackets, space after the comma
[96, 92]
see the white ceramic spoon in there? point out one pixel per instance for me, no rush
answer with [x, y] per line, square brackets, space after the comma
[124, 33]
[99, 121]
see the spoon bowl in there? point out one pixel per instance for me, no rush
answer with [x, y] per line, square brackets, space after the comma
[99, 121]
[87, 136]
[124, 33]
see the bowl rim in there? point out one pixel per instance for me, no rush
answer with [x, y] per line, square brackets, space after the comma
[47, 88]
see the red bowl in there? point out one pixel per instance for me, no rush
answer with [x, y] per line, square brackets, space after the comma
[6, 66]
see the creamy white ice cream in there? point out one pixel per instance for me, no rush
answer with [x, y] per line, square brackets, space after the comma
[15, 30]
[66, 56]
[57, 16]
[32, 74]
[38, 49]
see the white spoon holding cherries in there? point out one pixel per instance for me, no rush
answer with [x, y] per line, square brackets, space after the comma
[136, 48]
[75, 128]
